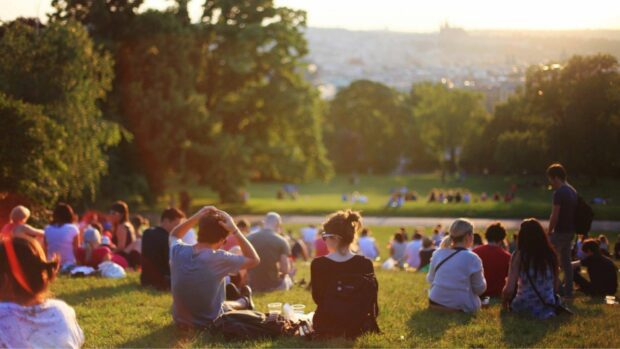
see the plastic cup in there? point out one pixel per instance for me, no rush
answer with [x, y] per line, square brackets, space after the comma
[611, 300]
[275, 308]
[299, 309]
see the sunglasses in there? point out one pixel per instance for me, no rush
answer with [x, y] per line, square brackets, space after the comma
[328, 236]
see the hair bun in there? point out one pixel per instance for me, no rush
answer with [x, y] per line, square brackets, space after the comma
[353, 217]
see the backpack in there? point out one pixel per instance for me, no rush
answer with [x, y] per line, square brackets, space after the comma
[583, 216]
[349, 307]
[251, 325]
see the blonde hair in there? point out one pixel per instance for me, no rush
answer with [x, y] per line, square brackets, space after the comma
[458, 230]
[20, 214]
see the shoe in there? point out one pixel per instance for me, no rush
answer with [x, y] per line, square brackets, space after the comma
[246, 292]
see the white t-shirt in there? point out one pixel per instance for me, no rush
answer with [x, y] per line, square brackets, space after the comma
[51, 324]
[60, 242]
[309, 234]
[190, 237]
[413, 253]
[367, 247]
[459, 281]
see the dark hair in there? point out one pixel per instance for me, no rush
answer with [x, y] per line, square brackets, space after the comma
[243, 223]
[138, 221]
[495, 232]
[417, 236]
[556, 170]
[37, 271]
[63, 214]
[478, 239]
[210, 231]
[121, 207]
[171, 214]
[535, 248]
[365, 232]
[344, 224]
[398, 237]
[591, 245]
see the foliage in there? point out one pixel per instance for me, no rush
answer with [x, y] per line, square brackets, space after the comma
[367, 128]
[447, 120]
[58, 77]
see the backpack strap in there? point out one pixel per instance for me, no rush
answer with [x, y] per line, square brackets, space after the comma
[529, 278]
[447, 258]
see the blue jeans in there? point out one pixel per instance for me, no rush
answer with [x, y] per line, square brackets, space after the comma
[563, 244]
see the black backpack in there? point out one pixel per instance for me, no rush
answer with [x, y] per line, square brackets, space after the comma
[583, 216]
[349, 307]
[251, 325]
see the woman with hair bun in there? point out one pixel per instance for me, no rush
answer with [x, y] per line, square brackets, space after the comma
[29, 318]
[455, 273]
[344, 286]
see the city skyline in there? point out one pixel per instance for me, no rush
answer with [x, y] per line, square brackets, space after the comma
[409, 16]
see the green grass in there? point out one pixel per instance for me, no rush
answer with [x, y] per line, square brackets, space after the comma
[321, 198]
[119, 313]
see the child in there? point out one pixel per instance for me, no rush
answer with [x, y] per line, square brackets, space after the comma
[17, 224]
[29, 318]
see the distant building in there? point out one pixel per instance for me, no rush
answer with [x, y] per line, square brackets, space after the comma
[446, 32]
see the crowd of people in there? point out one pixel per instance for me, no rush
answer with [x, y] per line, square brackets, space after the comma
[228, 261]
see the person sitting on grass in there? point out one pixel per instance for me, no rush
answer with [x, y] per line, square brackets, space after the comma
[62, 236]
[601, 270]
[456, 274]
[123, 233]
[344, 286]
[92, 253]
[426, 253]
[18, 224]
[368, 245]
[495, 259]
[413, 251]
[274, 251]
[198, 272]
[397, 250]
[534, 269]
[156, 251]
[28, 317]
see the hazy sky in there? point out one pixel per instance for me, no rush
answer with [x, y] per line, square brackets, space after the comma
[413, 15]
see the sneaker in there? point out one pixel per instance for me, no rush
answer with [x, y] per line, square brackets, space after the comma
[246, 293]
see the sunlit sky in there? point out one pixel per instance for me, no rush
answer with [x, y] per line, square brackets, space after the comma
[412, 15]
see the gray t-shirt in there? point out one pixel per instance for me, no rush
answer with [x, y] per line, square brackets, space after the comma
[566, 197]
[198, 282]
[270, 247]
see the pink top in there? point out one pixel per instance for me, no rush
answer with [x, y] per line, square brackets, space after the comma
[320, 248]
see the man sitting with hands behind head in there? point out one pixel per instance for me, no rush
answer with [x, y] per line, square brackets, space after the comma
[198, 272]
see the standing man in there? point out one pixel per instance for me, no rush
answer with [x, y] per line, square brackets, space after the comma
[562, 223]
[273, 272]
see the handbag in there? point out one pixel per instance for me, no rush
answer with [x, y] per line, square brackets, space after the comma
[558, 307]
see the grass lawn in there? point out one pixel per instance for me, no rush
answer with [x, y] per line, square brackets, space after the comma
[119, 313]
[533, 197]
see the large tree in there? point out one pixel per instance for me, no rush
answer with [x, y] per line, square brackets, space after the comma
[52, 79]
[447, 120]
[366, 128]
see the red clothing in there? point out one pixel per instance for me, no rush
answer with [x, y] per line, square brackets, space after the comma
[96, 257]
[8, 229]
[320, 248]
[495, 261]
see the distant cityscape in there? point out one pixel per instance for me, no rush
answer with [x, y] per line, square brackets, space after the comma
[492, 62]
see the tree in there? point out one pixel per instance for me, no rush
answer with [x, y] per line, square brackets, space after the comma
[366, 128]
[447, 120]
[52, 79]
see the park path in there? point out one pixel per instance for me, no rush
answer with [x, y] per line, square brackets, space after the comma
[597, 226]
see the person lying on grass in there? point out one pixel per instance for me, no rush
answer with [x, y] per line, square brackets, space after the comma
[198, 272]
[28, 317]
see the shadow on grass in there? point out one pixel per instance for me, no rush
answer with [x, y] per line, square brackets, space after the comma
[520, 330]
[432, 324]
[79, 297]
[167, 336]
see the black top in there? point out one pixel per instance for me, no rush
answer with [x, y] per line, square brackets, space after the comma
[566, 197]
[603, 275]
[323, 268]
[425, 257]
[155, 258]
